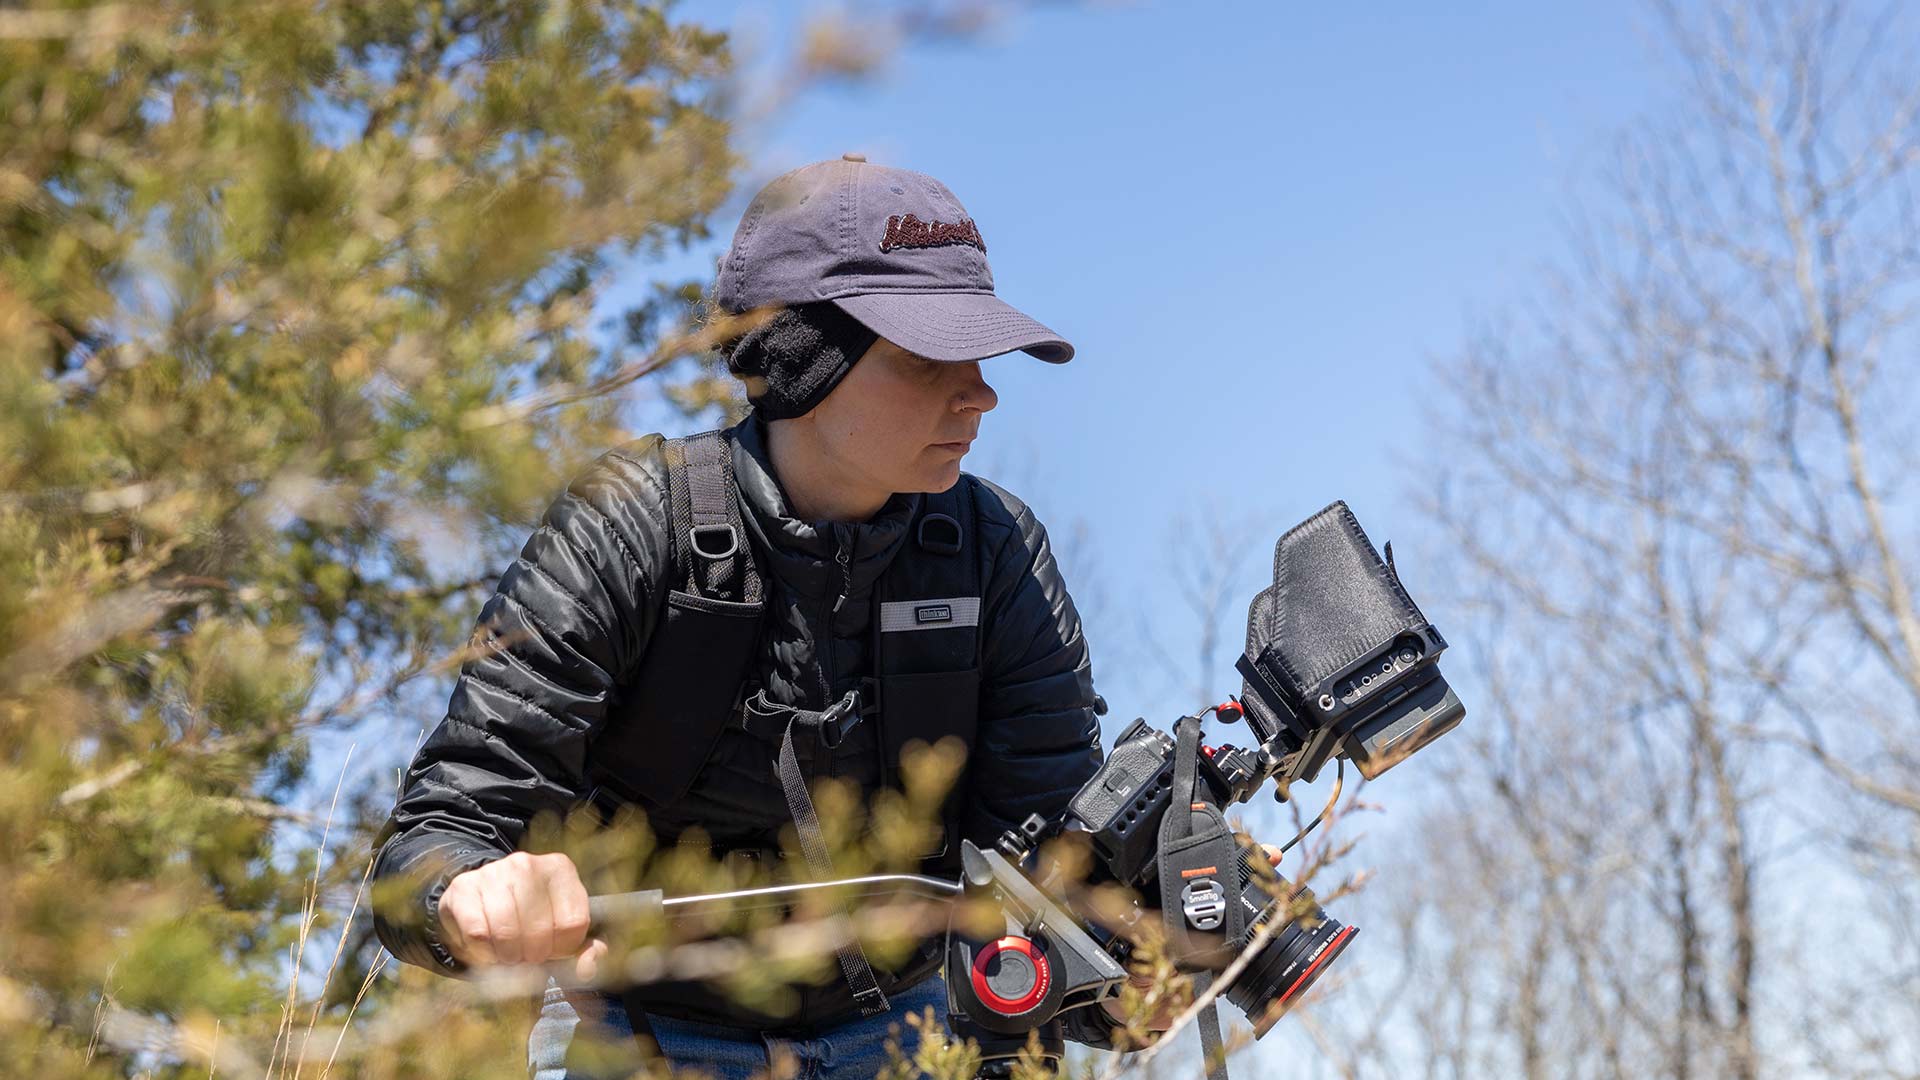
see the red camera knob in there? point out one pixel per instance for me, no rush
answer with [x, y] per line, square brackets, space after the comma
[1010, 975]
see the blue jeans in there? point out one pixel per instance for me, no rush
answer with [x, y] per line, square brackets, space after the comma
[562, 1047]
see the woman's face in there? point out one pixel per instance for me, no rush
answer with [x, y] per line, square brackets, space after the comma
[898, 422]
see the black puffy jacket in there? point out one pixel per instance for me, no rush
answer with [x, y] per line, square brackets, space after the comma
[577, 610]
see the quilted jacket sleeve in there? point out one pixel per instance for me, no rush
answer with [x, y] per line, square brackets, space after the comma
[567, 622]
[1038, 739]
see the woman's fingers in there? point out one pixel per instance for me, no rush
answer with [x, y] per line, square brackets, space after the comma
[534, 910]
[586, 966]
[523, 909]
[567, 900]
[503, 919]
[463, 926]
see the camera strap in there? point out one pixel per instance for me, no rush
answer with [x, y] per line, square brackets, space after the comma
[1212, 1047]
[1199, 868]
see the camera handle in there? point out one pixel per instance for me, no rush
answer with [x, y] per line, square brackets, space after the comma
[644, 904]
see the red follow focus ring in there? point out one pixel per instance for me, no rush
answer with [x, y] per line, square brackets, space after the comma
[1018, 967]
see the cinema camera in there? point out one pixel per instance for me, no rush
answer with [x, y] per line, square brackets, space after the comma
[1339, 665]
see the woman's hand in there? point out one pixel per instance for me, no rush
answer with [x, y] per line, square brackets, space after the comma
[523, 909]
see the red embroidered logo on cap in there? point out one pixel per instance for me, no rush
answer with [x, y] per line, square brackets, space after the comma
[910, 232]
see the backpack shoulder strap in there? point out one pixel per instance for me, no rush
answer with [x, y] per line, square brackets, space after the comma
[665, 720]
[927, 642]
[934, 585]
[710, 553]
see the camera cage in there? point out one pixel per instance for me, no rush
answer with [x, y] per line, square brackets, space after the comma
[1341, 665]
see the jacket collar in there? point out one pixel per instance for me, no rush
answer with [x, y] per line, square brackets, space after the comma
[803, 553]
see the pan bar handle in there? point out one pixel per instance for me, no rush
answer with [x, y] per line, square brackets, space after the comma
[653, 903]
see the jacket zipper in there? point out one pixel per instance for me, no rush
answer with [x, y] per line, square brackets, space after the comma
[843, 556]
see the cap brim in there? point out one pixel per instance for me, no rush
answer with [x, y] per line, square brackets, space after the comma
[955, 326]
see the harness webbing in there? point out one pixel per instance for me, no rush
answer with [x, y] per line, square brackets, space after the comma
[709, 538]
[853, 959]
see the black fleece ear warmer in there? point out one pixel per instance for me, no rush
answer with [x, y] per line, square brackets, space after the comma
[792, 361]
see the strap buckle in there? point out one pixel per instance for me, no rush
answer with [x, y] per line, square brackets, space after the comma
[870, 1001]
[840, 718]
[711, 529]
[943, 538]
[769, 720]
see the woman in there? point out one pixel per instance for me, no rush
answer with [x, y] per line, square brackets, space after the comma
[867, 392]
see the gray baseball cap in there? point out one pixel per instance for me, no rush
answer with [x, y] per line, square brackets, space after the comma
[890, 247]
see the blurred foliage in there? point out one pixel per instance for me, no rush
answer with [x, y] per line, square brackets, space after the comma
[300, 330]
[296, 340]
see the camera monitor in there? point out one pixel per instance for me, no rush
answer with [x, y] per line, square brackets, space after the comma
[1339, 660]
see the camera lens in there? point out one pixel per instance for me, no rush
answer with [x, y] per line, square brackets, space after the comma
[1292, 960]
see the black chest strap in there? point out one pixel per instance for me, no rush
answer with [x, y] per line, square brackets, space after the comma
[828, 725]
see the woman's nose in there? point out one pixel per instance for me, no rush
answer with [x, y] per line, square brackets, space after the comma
[974, 393]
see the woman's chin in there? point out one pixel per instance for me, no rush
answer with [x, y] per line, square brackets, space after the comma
[939, 478]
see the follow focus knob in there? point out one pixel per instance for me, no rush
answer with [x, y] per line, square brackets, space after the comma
[1010, 976]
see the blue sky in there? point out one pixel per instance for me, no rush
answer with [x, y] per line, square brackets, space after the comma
[1257, 223]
